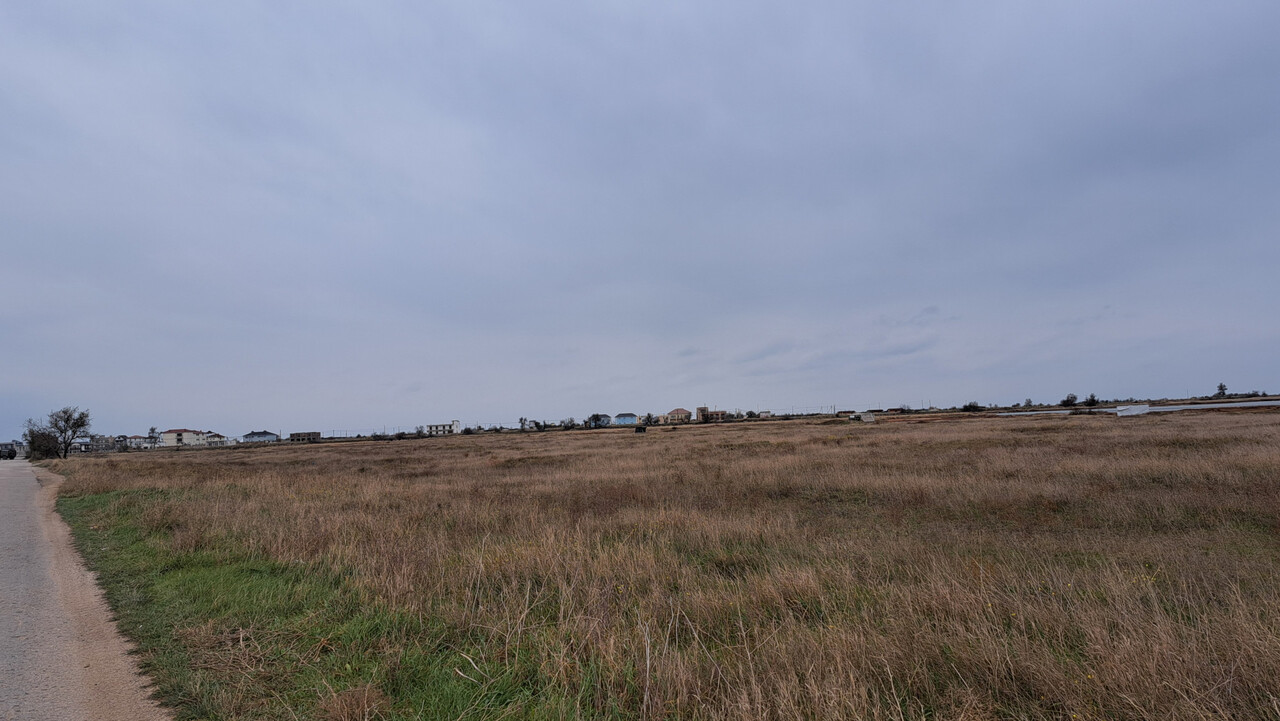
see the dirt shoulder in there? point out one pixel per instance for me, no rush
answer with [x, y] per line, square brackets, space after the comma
[64, 656]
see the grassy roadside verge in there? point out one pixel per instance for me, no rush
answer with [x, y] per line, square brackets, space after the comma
[226, 635]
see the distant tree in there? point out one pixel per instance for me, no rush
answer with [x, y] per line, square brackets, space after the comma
[752, 414]
[1069, 401]
[649, 419]
[1027, 403]
[467, 431]
[41, 443]
[568, 423]
[971, 407]
[596, 420]
[1091, 401]
[153, 437]
[1222, 391]
[420, 431]
[524, 424]
[64, 425]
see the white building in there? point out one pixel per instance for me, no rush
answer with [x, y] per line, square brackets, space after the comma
[443, 429]
[261, 437]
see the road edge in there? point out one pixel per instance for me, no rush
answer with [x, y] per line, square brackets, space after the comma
[114, 685]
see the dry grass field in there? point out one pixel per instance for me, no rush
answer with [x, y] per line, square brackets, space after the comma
[1038, 567]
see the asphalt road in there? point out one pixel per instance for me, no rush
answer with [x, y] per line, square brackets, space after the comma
[61, 658]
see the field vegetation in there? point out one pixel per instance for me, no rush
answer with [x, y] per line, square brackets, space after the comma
[1042, 567]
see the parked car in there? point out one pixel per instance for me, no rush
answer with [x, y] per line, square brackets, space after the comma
[8, 454]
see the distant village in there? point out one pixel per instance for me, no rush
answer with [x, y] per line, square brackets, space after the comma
[192, 438]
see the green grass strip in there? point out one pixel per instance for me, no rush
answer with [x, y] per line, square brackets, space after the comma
[226, 635]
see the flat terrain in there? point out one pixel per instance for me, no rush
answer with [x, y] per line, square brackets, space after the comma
[1039, 567]
[60, 657]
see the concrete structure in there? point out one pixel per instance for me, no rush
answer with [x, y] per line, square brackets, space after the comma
[261, 437]
[179, 437]
[102, 444]
[443, 429]
[706, 415]
[626, 419]
[306, 437]
[139, 443]
[679, 415]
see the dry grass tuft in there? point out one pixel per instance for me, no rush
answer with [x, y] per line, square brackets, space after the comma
[363, 703]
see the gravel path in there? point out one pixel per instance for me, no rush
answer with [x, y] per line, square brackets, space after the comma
[61, 658]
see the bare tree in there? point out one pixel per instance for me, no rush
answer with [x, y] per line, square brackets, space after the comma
[64, 427]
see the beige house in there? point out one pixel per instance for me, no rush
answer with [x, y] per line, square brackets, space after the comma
[178, 437]
[679, 415]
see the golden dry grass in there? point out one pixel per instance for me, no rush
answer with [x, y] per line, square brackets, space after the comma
[1053, 567]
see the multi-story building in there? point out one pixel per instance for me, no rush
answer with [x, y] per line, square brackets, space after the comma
[679, 415]
[706, 415]
[179, 437]
[443, 429]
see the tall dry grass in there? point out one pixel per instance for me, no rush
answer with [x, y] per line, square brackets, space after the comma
[1073, 567]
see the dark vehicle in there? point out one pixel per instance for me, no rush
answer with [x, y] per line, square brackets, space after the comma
[8, 454]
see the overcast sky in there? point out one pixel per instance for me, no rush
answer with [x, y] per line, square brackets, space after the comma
[343, 215]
